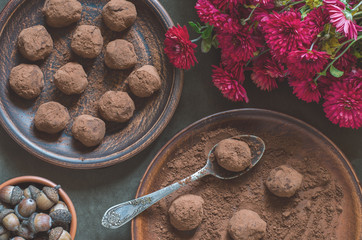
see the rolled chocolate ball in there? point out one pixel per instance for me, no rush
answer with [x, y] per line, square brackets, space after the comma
[71, 79]
[27, 80]
[89, 130]
[119, 14]
[186, 212]
[116, 106]
[144, 81]
[35, 43]
[61, 13]
[120, 55]
[51, 117]
[284, 181]
[87, 41]
[233, 155]
[246, 225]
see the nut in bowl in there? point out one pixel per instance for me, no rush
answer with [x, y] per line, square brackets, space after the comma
[32, 206]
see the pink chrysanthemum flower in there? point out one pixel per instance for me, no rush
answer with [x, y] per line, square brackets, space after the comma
[346, 62]
[305, 89]
[342, 18]
[208, 13]
[267, 4]
[239, 46]
[266, 72]
[231, 5]
[316, 20]
[343, 101]
[285, 32]
[306, 63]
[237, 68]
[228, 86]
[179, 48]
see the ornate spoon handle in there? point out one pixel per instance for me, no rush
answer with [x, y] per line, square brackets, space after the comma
[122, 213]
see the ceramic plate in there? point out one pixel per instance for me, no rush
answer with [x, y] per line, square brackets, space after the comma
[122, 141]
[277, 130]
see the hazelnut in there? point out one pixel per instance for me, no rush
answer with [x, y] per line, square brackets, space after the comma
[17, 238]
[59, 233]
[11, 222]
[11, 194]
[59, 205]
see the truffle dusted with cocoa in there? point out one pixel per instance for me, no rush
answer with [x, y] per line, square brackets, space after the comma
[61, 13]
[119, 14]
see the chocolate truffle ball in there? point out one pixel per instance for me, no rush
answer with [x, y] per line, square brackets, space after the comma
[35, 43]
[246, 225]
[87, 41]
[233, 155]
[119, 14]
[186, 212]
[144, 81]
[61, 13]
[284, 181]
[89, 130]
[116, 106]
[120, 54]
[71, 79]
[51, 117]
[27, 80]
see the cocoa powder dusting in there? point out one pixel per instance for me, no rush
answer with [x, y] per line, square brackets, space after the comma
[312, 213]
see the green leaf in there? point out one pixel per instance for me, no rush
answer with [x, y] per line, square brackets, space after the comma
[215, 42]
[207, 32]
[206, 45]
[335, 72]
[195, 27]
[324, 73]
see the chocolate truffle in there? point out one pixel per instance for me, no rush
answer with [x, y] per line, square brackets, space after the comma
[144, 81]
[61, 13]
[35, 43]
[120, 54]
[51, 117]
[246, 225]
[284, 181]
[27, 80]
[233, 155]
[116, 106]
[71, 79]
[186, 212]
[119, 14]
[89, 130]
[87, 41]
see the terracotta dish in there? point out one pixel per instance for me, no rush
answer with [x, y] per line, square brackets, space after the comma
[39, 181]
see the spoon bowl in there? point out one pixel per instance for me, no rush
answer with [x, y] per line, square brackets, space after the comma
[120, 214]
[257, 148]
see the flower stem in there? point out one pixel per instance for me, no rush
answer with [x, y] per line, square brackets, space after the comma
[265, 51]
[293, 3]
[196, 39]
[356, 14]
[243, 21]
[334, 60]
[356, 7]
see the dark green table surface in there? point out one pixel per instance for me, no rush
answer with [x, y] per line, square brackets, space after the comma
[93, 191]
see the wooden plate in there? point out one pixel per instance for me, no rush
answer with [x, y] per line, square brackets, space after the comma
[275, 129]
[122, 141]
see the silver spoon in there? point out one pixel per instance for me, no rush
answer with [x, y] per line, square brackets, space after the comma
[122, 213]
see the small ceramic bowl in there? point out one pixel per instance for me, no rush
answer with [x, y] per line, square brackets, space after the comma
[45, 182]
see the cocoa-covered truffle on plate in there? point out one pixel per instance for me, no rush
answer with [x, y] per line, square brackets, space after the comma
[186, 212]
[89, 130]
[35, 43]
[71, 78]
[144, 81]
[120, 54]
[116, 106]
[61, 13]
[51, 117]
[246, 225]
[284, 181]
[87, 41]
[26, 80]
[233, 155]
[119, 14]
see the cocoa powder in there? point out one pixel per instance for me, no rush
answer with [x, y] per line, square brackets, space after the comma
[312, 213]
